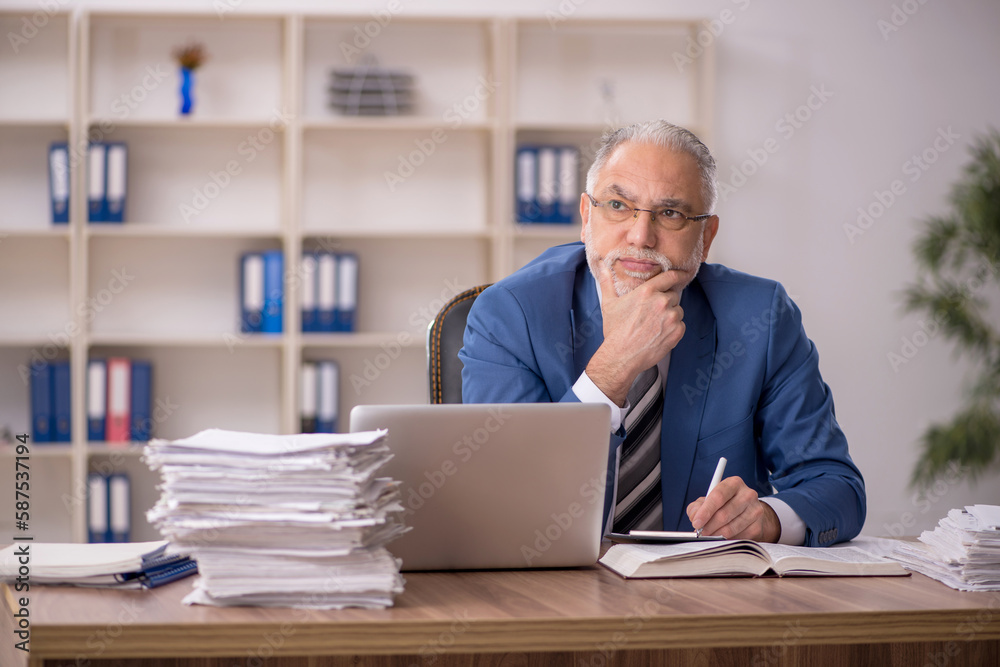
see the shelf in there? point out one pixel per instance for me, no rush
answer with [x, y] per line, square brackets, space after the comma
[541, 231]
[134, 78]
[276, 122]
[35, 275]
[420, 184]
[376, 376]
[374, 124]
[203, 177]
[29, 340]
[375, 340]
[39, 450]
[55, 496]
[152, 230]
[228, 340]
[32, 122]
[240, 392]
[24, 176]
[425, 200]
[450, 61]
[579, 127]
[131, 449]
[402, 235]
[584, 75]
[433, 271]
[167, 288]
[61, 232]
[35, 69]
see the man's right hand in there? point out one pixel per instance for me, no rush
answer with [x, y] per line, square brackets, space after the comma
[640, 328]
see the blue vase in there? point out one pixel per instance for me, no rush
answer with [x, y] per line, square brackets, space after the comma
[187, 88]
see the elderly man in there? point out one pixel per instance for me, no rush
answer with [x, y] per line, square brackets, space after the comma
[697, 361]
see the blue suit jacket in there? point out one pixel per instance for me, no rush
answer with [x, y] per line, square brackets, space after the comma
[743, 383]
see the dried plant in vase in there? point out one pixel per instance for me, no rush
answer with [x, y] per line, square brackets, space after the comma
[189, 58]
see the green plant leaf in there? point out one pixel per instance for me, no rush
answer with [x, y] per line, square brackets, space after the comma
[970, 440]
[959, 257]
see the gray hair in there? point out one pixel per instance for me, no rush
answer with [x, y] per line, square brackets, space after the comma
[666, 135]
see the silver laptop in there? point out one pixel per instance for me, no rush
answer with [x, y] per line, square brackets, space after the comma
[496, 486]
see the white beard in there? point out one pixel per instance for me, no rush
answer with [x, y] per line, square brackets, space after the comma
[692, 265]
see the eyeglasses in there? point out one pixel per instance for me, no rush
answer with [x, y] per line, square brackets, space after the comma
[616, 210]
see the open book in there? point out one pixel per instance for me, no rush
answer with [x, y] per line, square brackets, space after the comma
[743, 558]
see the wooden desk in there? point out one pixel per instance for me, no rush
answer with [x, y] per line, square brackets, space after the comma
[585, 618]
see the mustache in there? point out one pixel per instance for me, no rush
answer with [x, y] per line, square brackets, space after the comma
[638, 253]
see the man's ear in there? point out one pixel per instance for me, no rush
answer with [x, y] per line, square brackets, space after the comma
[708, 234]
[584, 215]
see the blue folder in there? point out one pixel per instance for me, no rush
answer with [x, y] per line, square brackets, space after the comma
[568, 191]
[97, 399]
[347, 292]
[273, 291]
[327, 396]
[141, 418]
[326, 291]
[251, 292]
[61, 408]
[548, 183]
[98, 508]
[119, 507]
[116, 181]
[526, 184]
[59, 181]
[41, 402]
[97, 182]
[309, 292]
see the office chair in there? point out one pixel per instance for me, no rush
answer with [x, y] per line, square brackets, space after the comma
[444, 340]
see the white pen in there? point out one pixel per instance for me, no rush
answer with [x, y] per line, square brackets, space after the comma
[716, 478]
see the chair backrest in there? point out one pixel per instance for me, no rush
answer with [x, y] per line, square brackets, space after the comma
[444, 340]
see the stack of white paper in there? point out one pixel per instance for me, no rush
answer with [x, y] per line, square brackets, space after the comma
[962, 552]
[290, 521]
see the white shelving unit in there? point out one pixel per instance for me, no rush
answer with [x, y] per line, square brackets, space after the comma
[424, 200]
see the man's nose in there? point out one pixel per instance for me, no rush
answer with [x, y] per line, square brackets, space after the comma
[642, 233]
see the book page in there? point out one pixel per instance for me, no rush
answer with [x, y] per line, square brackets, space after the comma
[843, 554]
[687, 559]
[818, 560]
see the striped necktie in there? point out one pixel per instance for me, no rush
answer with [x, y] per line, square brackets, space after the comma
[639, 503]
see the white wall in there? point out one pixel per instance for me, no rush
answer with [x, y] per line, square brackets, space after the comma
[891, 95]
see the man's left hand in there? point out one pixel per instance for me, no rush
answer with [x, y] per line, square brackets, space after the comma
[734, 511]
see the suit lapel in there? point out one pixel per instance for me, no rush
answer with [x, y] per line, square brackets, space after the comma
[684, 405]
[587, 327]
